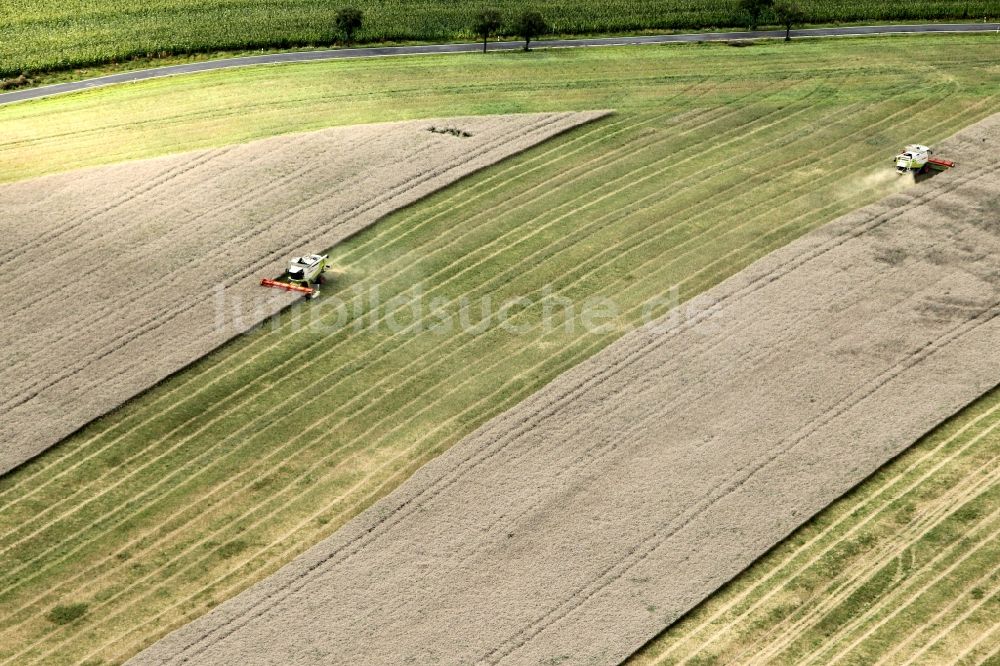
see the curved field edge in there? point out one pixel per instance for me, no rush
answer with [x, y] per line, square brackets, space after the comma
[902, 569]
[213, 480]
[50, 35]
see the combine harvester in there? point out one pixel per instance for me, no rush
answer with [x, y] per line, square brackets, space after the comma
[918, 160]
[303, 274]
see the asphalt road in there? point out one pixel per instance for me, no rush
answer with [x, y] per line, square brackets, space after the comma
[385, 51]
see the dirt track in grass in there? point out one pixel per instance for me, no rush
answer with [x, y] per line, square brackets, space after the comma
[576, 526]
[117, 276]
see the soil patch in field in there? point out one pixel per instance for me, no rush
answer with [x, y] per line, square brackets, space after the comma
[117, 276]
[576, 526]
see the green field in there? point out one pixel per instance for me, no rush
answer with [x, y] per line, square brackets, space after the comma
[213, 480]
[905, 569]
[39, 35]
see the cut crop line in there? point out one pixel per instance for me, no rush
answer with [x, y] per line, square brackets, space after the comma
[843, 586]
[988, 659]
[848, 514]
[974, 645]
[964, 616]
[902, 604]
[922, 628]
[928, 519]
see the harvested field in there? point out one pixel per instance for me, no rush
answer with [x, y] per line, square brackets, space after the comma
[577, 525]
[118, 276]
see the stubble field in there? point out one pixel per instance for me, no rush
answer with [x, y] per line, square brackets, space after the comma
[207, 483]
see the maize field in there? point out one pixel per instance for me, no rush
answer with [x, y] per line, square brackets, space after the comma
[40, 35]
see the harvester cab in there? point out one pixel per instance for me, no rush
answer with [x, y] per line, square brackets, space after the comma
[304, 274]
[913, 158]
[919, 159]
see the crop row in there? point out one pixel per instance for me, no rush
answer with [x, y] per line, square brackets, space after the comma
[875, 574]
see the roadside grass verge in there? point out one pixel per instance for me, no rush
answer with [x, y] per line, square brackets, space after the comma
[220, 475]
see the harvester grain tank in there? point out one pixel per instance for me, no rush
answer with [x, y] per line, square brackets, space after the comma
[919, 159]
